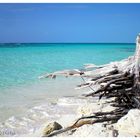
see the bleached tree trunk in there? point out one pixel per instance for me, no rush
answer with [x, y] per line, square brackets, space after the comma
[137, 67]
[121, 83]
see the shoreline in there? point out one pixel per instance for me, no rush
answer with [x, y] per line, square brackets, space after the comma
[31, 111]
[34, 95]
[38, 115]
[37, 118]
[64, 110]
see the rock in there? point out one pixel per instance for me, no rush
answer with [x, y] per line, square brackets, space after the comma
[130, 123]
[51, 127]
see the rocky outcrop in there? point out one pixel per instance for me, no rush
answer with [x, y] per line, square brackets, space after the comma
[129, 124]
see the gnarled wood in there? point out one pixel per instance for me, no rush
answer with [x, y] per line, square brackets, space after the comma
[120, 80]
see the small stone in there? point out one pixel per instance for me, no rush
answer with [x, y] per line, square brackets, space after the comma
[115, 133]
[51, 127]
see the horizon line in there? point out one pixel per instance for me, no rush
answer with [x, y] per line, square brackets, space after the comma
[69, 43]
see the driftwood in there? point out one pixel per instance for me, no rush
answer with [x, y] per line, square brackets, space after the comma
[117, 79]
[96, 118]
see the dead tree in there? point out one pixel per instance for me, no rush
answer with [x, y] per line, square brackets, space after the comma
[117, 79]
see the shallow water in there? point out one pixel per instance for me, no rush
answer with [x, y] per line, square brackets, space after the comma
[24, 97]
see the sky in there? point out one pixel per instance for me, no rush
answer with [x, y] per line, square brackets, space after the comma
[69, 23]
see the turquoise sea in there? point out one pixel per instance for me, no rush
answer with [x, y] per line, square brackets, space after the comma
[22, 64]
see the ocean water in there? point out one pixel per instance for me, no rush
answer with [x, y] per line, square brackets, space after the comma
[22, 64]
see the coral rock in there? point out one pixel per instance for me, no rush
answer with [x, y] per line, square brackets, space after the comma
[51, 127]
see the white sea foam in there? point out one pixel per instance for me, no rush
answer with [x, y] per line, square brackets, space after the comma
[34, 118]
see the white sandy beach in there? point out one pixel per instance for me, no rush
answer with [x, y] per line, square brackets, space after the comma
[78, 107]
